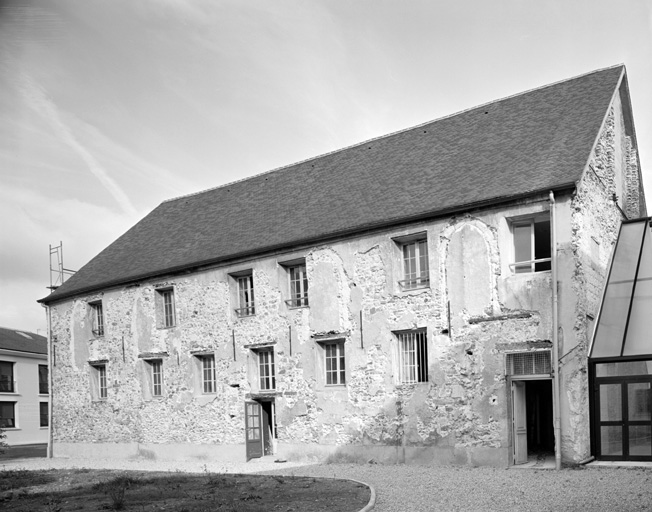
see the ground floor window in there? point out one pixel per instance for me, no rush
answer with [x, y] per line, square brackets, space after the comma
[622, 410]
[7, 414]
[413, 356]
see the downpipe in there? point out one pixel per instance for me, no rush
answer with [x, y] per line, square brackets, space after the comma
[48, 315]
[555, 334]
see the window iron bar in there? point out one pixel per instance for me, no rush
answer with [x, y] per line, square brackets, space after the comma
[246, 311]
[414, 282]
[298, 302]
[529, 262]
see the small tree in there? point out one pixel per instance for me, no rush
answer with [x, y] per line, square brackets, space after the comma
[3, 443]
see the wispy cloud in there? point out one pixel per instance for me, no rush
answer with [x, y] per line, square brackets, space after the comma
[38, 99]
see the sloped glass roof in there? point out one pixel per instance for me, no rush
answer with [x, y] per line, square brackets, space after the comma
[624, 327]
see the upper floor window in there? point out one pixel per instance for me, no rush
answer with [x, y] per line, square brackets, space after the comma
[414, 252]
[266, 369]
[298, 286]
[98, 318]
[166, 307]
[413, 356]
[531, 244]
[7, 384]
[43, 386]
[208, 378]
[246, 306]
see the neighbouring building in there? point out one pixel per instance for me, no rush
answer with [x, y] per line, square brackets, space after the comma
[24, 395]
[426, 296]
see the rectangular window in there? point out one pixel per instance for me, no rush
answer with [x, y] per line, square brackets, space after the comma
[43, 385]
[335, 363]
[156, 366]
[166, 308]
[531, 245]
[413, 357]
[245, 296]
[298, 286]
[45, 417]
[7, 414]
[416, 273]
[266, 369]
[98, 318]
[7, 384]
[100, 381]
[208, 380]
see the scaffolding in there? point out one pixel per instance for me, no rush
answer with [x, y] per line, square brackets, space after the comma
[58, 273]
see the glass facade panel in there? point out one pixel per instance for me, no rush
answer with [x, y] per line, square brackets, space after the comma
[623, 368]
[611, 440]
[638, 341]
[610, 402]
[640, 440]
[615, 308]
[638, 401]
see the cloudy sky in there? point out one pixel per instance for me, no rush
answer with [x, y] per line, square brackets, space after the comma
[108, 108]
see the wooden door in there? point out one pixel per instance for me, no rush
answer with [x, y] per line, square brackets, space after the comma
[519, 422]
[253, 430]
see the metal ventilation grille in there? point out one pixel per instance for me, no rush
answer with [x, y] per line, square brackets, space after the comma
[529, 363]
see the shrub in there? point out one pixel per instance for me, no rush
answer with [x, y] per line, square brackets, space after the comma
[3, 443]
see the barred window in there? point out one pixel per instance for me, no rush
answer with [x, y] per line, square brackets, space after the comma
[413, 357]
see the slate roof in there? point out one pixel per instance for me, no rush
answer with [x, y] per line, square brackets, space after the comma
[22, 341]
[534, 141]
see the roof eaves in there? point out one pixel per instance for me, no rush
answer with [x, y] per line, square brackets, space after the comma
[308, 241]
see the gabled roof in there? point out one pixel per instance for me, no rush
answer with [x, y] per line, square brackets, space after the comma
[527, 143]
[22, 341]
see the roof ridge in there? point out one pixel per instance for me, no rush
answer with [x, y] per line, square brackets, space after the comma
[386, 135]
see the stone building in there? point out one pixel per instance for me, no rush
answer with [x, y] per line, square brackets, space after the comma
[391, 300]
[24, 387]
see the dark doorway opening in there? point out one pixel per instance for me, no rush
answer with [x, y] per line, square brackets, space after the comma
[269, 426]
[540, 428]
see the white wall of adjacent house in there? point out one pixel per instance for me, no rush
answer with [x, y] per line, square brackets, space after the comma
[26, 398]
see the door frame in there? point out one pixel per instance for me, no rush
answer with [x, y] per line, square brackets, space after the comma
[521, 379]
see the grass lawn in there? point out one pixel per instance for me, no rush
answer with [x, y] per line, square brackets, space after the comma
[85, 489]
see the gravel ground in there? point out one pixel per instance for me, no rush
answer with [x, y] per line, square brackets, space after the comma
[414, 488]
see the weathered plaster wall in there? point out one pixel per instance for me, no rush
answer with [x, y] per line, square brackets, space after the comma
[463, 409]
[592, 231]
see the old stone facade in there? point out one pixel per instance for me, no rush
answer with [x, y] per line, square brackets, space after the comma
[370, 360]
